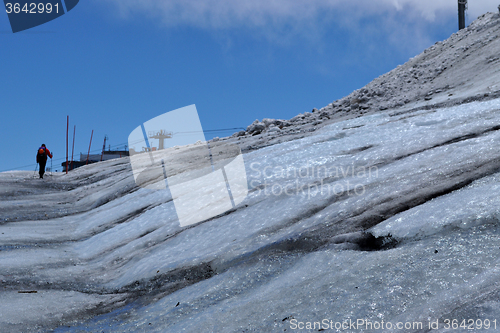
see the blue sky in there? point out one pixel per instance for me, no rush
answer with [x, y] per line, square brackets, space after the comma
[114, 64]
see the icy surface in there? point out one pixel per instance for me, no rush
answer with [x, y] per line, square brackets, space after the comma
[291, 255]
[390, 216]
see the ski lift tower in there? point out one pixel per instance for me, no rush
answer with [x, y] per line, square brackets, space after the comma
[161, 136]
[462, 7]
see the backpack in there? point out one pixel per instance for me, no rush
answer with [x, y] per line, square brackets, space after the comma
[42, 155]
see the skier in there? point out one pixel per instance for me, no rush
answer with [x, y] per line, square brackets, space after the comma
[41, 158]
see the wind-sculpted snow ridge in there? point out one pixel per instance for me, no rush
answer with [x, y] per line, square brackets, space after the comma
[385, 217]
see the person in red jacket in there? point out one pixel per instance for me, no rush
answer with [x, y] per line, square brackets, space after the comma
[41, 158]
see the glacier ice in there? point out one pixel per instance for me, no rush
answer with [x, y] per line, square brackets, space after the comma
[292, 249]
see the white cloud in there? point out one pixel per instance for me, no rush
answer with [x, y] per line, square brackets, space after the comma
[368, 28]
[220, 14]
[429, 9]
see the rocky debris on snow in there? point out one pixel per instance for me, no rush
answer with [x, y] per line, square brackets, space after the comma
[256, 128]
[238, 134]
[267, 125]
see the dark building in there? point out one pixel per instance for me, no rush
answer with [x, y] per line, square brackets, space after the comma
[105, 156]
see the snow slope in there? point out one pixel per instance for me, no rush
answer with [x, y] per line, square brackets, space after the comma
[378, 215]
[463, 68]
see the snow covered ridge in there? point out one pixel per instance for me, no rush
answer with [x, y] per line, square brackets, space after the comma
[379, 215]
[463, 68]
